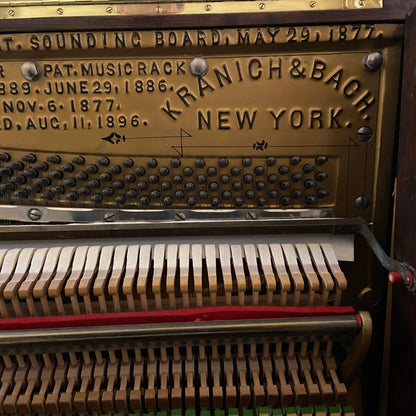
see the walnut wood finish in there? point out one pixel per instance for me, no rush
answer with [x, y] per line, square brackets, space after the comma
[403, 344]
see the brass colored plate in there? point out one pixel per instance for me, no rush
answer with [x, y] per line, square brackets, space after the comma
[272, 125]
[41, 9]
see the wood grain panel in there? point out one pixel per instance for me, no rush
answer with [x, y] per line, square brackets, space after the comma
[403, 340]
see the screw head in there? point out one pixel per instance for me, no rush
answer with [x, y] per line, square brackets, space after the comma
[34, 214]
[312, 4]
[208, 8]
[408, 281]
[372, 61]
[11, 12]
[364, 134]
[180, 216]
[109, 10]
[262, 6]
[109, 217]
[362, 202]
[158, 9]
[31, 71]
[198, 67]
[251, 215]
[60, 11]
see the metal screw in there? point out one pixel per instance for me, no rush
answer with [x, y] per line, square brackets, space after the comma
[158, 9]
[208, 7]
[31, 71]
[372, 61]
[180, 216]
[198, 67]
[362, 202]
[324, 214]
[109, 10]
[60, 11]
[11, 12]
[312, 4]
[361, 3]
[364, 134]
[251, 215]
[409, 281]
[34, 214]
[109, 217]
[262, 6]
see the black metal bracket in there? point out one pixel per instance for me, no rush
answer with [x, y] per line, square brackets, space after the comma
[398, 270]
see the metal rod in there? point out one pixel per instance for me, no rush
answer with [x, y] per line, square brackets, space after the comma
[194, 221]
[129, 335]
[400, 268]
[386, 261]
[41, 214]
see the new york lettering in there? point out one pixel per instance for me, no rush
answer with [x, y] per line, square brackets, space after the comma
[273, 69]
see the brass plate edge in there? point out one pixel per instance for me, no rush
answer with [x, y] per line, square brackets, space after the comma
[40, 9]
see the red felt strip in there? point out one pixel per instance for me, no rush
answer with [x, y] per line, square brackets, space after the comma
[221, 313]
